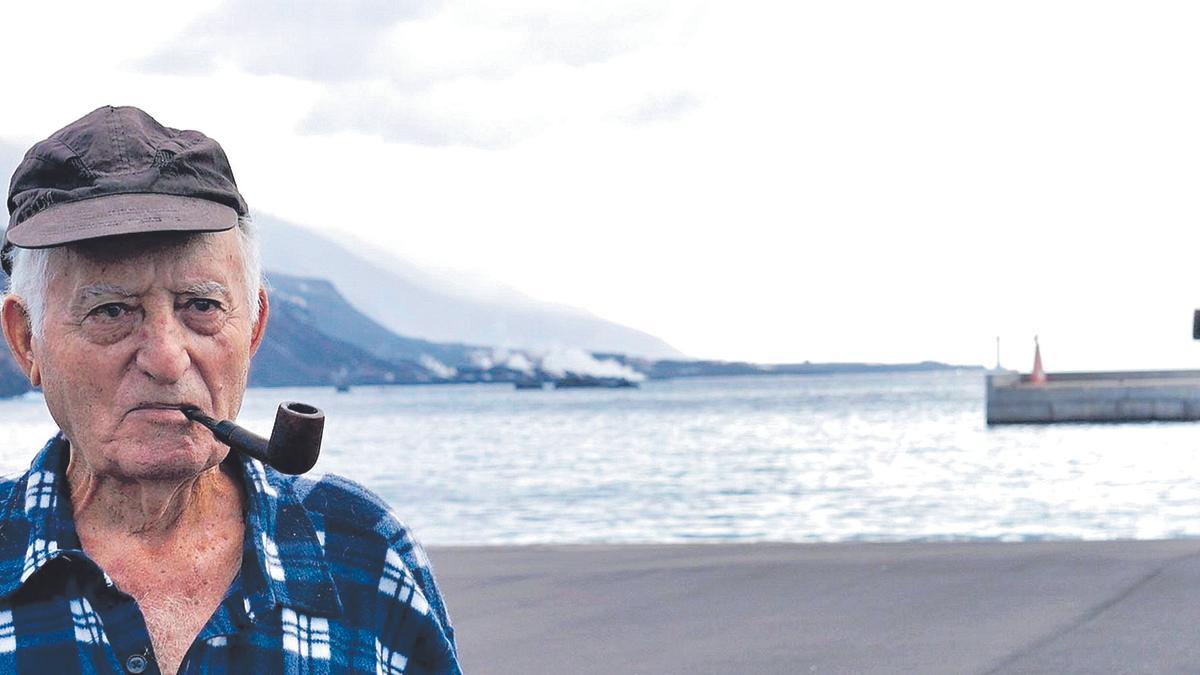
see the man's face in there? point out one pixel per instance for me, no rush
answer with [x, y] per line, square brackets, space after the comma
[134, 328]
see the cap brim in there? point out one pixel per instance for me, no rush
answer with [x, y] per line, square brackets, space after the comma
[113, 215]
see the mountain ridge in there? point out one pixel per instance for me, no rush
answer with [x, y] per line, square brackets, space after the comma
[410, 301]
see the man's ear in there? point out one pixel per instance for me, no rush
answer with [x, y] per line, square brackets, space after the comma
[19, 334]
[260, 327]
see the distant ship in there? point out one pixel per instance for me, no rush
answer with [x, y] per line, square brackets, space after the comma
[573, 381]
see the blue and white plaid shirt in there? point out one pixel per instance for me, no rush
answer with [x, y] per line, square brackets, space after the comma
[330, 583]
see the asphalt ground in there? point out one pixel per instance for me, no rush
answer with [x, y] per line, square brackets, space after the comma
[1045, 607]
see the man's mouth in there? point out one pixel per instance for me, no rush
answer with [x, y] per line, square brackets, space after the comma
[151, 406]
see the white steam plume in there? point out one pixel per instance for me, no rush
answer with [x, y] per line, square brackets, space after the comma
[559, 362]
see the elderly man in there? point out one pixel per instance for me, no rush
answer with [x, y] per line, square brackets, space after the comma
[136, 543]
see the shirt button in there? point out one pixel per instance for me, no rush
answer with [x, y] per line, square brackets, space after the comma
[135, 664]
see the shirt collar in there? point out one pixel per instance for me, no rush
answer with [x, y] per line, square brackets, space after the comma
[40, 500]
[288, 553]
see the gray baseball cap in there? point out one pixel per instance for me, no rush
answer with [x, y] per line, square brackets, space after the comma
[118, 171]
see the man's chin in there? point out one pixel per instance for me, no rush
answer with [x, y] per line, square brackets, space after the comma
[173, 471]
[168, 457]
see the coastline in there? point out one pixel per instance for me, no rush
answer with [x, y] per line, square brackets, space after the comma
[1037, 607]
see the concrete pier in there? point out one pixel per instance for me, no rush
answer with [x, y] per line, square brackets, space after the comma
[1131, 396]
[1047, 607]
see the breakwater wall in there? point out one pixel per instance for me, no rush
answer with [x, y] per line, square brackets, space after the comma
[1118, 396]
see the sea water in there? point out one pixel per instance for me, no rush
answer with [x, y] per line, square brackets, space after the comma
[780, 458]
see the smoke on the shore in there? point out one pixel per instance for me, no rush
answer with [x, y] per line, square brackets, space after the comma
[559, 362]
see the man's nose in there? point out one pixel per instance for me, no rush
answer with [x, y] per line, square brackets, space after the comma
[162, 350]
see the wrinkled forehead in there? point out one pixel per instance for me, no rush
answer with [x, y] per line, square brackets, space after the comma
[163, 255]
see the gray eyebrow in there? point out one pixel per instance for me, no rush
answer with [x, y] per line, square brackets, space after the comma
[205, 288]
[106, 289]
[101, 289]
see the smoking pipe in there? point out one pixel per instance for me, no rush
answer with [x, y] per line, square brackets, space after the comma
[295, 441]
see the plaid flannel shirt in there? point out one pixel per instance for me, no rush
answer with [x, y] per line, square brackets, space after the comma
[330, 582]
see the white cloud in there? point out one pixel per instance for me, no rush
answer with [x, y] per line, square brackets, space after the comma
[663, 107]
[454, 73]
[309, 39]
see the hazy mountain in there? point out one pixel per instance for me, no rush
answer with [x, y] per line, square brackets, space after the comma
[12, 380]
[10, 157]
[443, 308]
[674, 369]
[339, 319]
[296, 350]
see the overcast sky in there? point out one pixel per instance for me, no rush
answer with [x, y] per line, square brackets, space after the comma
[766, 181]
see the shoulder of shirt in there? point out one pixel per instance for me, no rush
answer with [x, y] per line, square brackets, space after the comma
[14, 525]
[14, 484]
[11, 485]
[12, 495]
[344, 504]
[338, 505]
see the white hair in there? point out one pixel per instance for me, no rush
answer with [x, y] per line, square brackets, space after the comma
[32, 270]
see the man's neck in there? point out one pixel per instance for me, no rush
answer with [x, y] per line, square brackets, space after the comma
[154, 512]
[175, 546]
